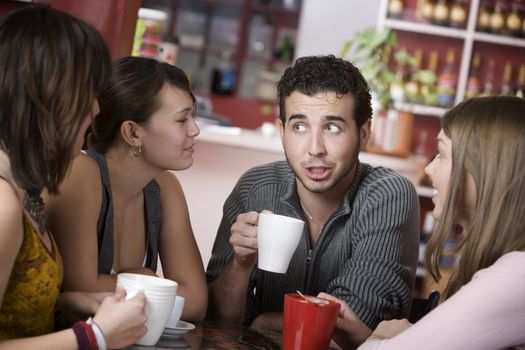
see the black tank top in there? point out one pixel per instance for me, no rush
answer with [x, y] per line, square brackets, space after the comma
[105, 220]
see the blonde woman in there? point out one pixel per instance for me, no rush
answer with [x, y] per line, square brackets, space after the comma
[479, 179]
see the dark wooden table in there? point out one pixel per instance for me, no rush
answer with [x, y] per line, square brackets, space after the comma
[219, 336]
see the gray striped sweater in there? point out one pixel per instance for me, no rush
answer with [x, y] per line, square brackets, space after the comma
[366, 253]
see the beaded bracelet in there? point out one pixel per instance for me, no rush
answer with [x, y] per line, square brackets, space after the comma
[101, 340]
[85, 335]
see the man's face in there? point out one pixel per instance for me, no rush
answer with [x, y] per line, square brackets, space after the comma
[321, 140]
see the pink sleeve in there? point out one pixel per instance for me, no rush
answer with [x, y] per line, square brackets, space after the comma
[487, 313]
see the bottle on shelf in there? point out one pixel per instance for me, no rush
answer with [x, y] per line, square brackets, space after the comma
[169, 49]
[484, 15]
[458, 14]
[447, 80]
[223, 76]
[498, 18]
[519, 90]
[488, 84]
[441, 13]
[428, 91]
[427, 10]
[286, 52]
[514, 20]
[395, 8]
[420, 149]
[506, 83]
[473, 82]
[412, 84]
[397, 87]
[148, 34]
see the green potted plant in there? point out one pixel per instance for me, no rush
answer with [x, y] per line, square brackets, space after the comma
[370, 50]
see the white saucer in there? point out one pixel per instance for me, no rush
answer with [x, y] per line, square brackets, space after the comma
[181, 328]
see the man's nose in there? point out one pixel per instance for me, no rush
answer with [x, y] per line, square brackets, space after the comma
[317, 145]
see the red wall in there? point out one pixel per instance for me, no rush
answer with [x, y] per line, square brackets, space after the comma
[244, 113]
[114, 19]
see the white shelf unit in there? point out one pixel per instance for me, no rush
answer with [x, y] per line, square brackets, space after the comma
[424, 28]
[469, 35]
[433, 111]
[498, 39]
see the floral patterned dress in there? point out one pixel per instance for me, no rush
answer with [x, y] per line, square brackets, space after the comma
[29, 300]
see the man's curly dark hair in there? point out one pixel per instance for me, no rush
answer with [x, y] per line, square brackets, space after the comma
[311, 75]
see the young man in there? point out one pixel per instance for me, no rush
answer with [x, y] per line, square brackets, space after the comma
[361, 235]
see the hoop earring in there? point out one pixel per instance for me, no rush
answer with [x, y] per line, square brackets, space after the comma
[135, 152]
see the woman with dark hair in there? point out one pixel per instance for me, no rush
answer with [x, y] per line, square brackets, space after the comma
[52, 66]
[124, 205]
[478, 176]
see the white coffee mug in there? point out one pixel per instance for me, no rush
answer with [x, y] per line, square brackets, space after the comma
[176, 312]
[277, 237]
[160, 296]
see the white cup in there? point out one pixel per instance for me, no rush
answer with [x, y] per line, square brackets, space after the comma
[277, 237]
[176, 312]
[160, 296]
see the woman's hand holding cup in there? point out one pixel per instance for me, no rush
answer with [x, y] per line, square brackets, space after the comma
[122, 321]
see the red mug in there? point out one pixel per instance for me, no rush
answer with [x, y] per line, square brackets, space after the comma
[308, 325]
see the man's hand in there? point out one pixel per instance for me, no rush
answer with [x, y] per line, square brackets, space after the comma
[233, 282]
[244, 239]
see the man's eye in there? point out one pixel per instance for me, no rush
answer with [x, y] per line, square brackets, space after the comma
[299, 127]
[332, 128]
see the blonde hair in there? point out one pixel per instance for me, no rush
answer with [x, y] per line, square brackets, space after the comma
[488, 142]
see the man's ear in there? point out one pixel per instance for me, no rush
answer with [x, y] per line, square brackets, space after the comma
[130, 134]
[364, 133]
[280, 126]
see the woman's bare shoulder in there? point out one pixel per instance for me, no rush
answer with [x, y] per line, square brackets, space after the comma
[81, 184]
[83, 174]
[10, 211]
[169, 182]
